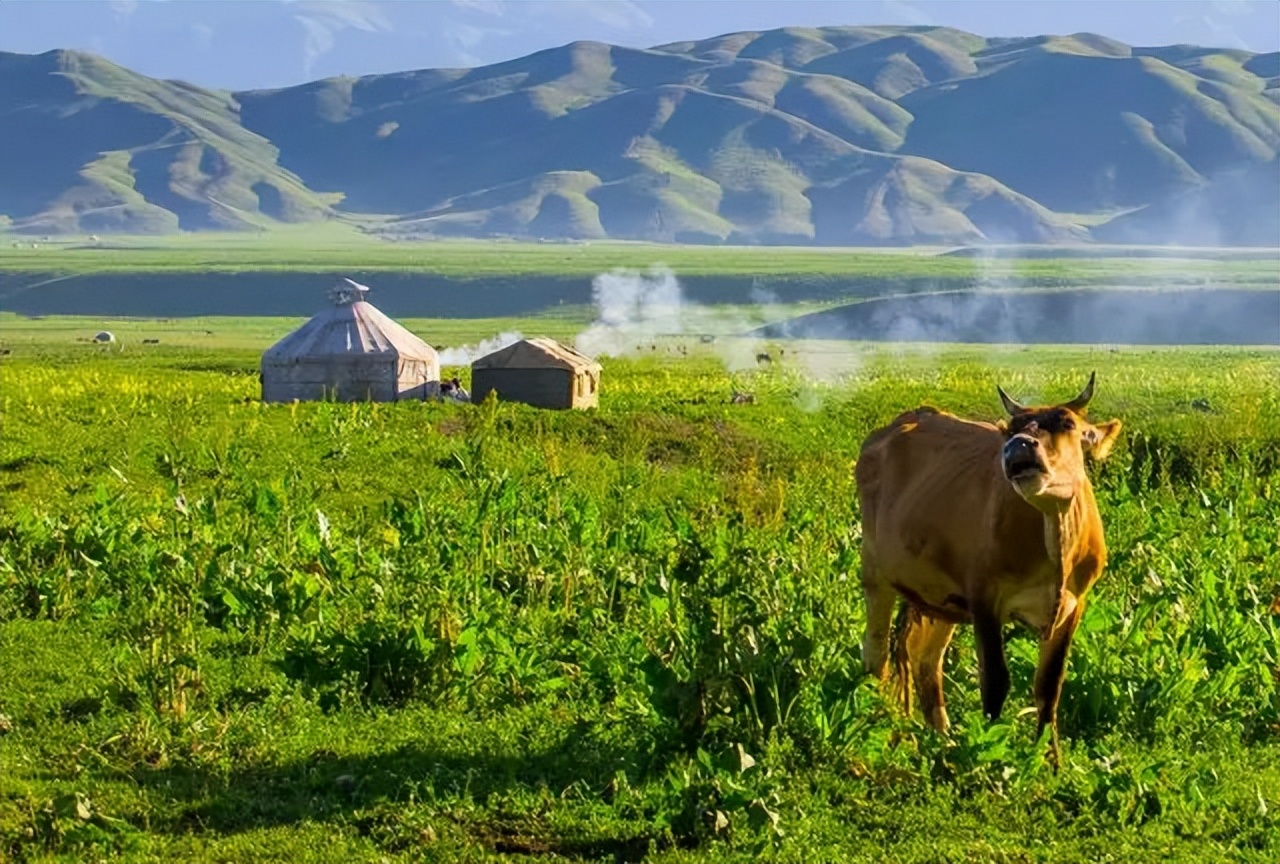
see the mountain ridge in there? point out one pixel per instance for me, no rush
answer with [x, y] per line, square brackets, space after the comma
[832, 136]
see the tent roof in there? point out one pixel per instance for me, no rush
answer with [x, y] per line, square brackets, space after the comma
[540, 353]
[350, 328]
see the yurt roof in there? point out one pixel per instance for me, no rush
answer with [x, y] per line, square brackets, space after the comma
[350, 327]
[540, 353]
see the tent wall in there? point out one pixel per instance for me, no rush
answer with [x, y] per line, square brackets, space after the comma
[359, 379]
[586, 389]
[418, 380]
[544, 388]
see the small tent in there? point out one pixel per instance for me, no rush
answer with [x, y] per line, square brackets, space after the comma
[539, 372]
[350, 352]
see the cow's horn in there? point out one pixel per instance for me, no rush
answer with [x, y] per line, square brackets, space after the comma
[1009, 405]
[1078, 404]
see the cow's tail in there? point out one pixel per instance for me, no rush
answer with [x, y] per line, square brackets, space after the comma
[903, 686]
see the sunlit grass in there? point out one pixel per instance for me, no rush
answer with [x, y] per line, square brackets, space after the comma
[302, 249]
[237, 632]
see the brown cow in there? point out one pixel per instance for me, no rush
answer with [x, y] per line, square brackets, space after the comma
[983, 523]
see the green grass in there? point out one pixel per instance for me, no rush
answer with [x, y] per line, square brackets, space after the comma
[66, 337]
[311, 249]
[237, 632]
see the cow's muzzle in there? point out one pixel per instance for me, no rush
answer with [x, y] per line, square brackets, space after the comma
[1021, 457]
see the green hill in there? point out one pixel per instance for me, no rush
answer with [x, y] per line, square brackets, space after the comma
[1081, 133]
[840, 135]
[91, 146]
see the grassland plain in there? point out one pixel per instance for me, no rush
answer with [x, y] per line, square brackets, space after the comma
[318, 632]
[324, 248]
[284, 272]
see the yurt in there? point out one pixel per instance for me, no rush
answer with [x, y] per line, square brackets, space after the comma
[350, 352]
[539, 372]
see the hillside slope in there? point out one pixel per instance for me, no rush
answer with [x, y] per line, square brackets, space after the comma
[1239, 208]
[91, 146]
[840, 135]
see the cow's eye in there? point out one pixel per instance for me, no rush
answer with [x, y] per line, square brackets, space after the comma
[1068, 425]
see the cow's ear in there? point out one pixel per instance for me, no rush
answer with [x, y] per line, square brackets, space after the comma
[1099, 437]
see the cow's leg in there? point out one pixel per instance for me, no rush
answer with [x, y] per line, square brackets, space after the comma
[993, 674]
[1052, 668]
[875, 640]
[904, 639]
[928, 645]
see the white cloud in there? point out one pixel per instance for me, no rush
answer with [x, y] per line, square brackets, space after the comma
[487, 7]
[464, 38]
[619, 14]
[1233, 7]
[323, 21]
[1212, 31]
[616, 14]
[907, 12]
[317, 41]
[203, 34]
[348, 13]
[474, 33]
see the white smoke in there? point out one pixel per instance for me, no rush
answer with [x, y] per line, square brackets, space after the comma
[465, 354]
[648, 314]
[640, 312]
[632, 308]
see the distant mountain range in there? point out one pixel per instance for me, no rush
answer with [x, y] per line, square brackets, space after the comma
[832, 136]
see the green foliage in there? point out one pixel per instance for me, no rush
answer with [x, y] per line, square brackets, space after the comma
[235, 631]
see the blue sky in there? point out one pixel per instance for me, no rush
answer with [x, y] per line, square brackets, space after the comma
[243, 44]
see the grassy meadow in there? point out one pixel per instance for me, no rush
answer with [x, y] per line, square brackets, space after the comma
[415, 632]
[326, 248]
